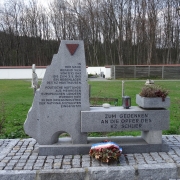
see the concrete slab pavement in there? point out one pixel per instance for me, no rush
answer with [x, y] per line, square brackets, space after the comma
[19, 160]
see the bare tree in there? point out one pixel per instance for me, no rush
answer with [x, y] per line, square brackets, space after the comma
[114, 31]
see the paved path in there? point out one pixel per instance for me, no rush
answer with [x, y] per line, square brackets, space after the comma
[21, 155]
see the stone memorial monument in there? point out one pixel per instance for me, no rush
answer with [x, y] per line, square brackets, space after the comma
[62, 96]
[61, 104]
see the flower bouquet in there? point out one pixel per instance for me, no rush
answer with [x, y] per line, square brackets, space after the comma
[153, 96]
[154, 91]
[105, 151]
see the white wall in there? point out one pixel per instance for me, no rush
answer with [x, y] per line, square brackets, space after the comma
[26, 72]
[98, 70]
[108, 72]
[20, 73]
[95, 70]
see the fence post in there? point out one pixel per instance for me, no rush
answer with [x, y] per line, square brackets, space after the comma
[148, 71]
[134, 71]
[162, 72]
[114, 72]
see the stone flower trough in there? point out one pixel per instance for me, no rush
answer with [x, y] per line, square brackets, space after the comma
[152, 102]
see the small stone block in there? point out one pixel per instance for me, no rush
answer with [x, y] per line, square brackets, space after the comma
[152, 137]
[128, 144]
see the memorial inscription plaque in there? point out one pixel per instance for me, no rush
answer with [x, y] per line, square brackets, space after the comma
[62, 96]
[120, 119]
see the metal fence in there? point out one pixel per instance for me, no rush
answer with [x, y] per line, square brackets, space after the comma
[146, 71]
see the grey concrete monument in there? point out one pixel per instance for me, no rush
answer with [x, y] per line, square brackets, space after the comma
[62, 96]
[61, 105]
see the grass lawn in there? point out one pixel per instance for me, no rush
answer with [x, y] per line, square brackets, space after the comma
[16, 98]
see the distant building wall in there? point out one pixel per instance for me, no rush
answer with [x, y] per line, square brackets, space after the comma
[108, 72]
[100, 70]
[25, 72]
[114, 72]
[95, 70]
[20, 72]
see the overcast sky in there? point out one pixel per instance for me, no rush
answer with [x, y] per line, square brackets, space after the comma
[44, 2]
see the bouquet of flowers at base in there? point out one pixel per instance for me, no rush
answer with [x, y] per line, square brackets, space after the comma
[105, 151]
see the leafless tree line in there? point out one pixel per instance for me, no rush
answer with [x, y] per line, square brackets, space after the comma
[115, 32]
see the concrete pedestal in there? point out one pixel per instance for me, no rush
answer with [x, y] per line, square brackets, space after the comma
[128, 144]
[99, 119]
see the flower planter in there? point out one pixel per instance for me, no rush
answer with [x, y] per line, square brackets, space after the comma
[152, 102]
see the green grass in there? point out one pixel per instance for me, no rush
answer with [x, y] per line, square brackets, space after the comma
[18, 96]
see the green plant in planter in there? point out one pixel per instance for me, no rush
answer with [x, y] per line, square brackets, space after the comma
[154, 91]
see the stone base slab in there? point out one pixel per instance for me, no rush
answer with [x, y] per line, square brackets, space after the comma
[129, 145]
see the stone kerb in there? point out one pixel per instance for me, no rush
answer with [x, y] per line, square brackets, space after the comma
[62, 96]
